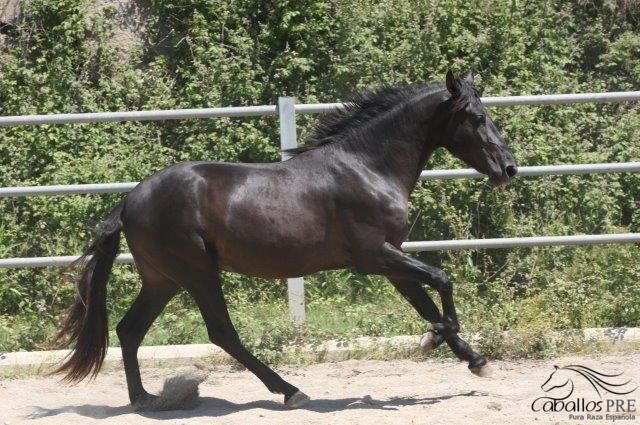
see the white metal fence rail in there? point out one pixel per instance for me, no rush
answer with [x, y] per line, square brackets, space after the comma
[310, 108]
[462, 173]
[287, 110]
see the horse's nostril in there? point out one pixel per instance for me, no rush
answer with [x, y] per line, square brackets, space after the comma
[512, 170]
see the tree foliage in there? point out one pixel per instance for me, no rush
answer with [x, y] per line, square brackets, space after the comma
[60, 56]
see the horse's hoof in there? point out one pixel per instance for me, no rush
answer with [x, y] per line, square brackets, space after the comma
[480, 367]
[298, 399]
[428, 342]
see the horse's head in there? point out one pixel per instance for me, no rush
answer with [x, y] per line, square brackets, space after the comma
[471, 135]
[557, 379]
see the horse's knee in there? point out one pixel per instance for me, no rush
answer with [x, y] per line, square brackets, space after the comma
[442, 281]
[447, 327]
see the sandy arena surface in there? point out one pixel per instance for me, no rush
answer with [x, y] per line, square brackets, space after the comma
[350, 392]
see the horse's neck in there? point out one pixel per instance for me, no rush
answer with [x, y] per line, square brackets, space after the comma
[402, 154]
[406, 165]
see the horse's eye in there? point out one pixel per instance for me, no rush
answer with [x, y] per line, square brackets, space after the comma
[479, 119]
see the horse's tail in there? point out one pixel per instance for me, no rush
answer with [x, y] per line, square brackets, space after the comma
[86, 325]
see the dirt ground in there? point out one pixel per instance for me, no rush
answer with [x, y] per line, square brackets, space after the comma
[350, 392]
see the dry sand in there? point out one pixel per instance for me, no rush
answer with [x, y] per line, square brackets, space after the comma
[350, 392]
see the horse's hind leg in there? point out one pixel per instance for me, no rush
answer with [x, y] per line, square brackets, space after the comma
[156, 292]
[207, 291]
[415, 294]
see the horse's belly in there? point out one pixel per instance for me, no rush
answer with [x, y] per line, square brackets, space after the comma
[260, 261]
[272, 248]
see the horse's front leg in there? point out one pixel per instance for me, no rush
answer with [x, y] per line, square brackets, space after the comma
[399, 267]
[395, 264]
[415, 294]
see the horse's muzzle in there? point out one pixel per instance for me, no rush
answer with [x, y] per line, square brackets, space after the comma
[508, 173]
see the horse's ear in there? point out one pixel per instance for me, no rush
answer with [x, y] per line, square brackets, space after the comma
[469, 77]
[452, 84]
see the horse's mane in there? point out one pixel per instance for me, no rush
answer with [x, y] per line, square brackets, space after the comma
[367, 105]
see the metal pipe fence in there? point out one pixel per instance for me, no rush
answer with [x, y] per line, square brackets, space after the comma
[526, 242]
[286, 111]
[310, 108]
[462, 173]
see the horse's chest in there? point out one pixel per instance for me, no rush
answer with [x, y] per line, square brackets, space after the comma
[396, 216]
[392, 209]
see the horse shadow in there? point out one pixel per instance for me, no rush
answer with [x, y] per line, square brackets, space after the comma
[216, 407]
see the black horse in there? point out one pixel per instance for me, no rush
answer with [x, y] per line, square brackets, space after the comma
[339, 203]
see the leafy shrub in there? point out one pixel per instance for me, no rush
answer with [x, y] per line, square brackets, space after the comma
[61, 57]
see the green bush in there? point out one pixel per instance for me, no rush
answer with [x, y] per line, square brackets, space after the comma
[61, 57]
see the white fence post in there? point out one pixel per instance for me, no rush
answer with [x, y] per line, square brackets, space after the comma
[288, 140]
